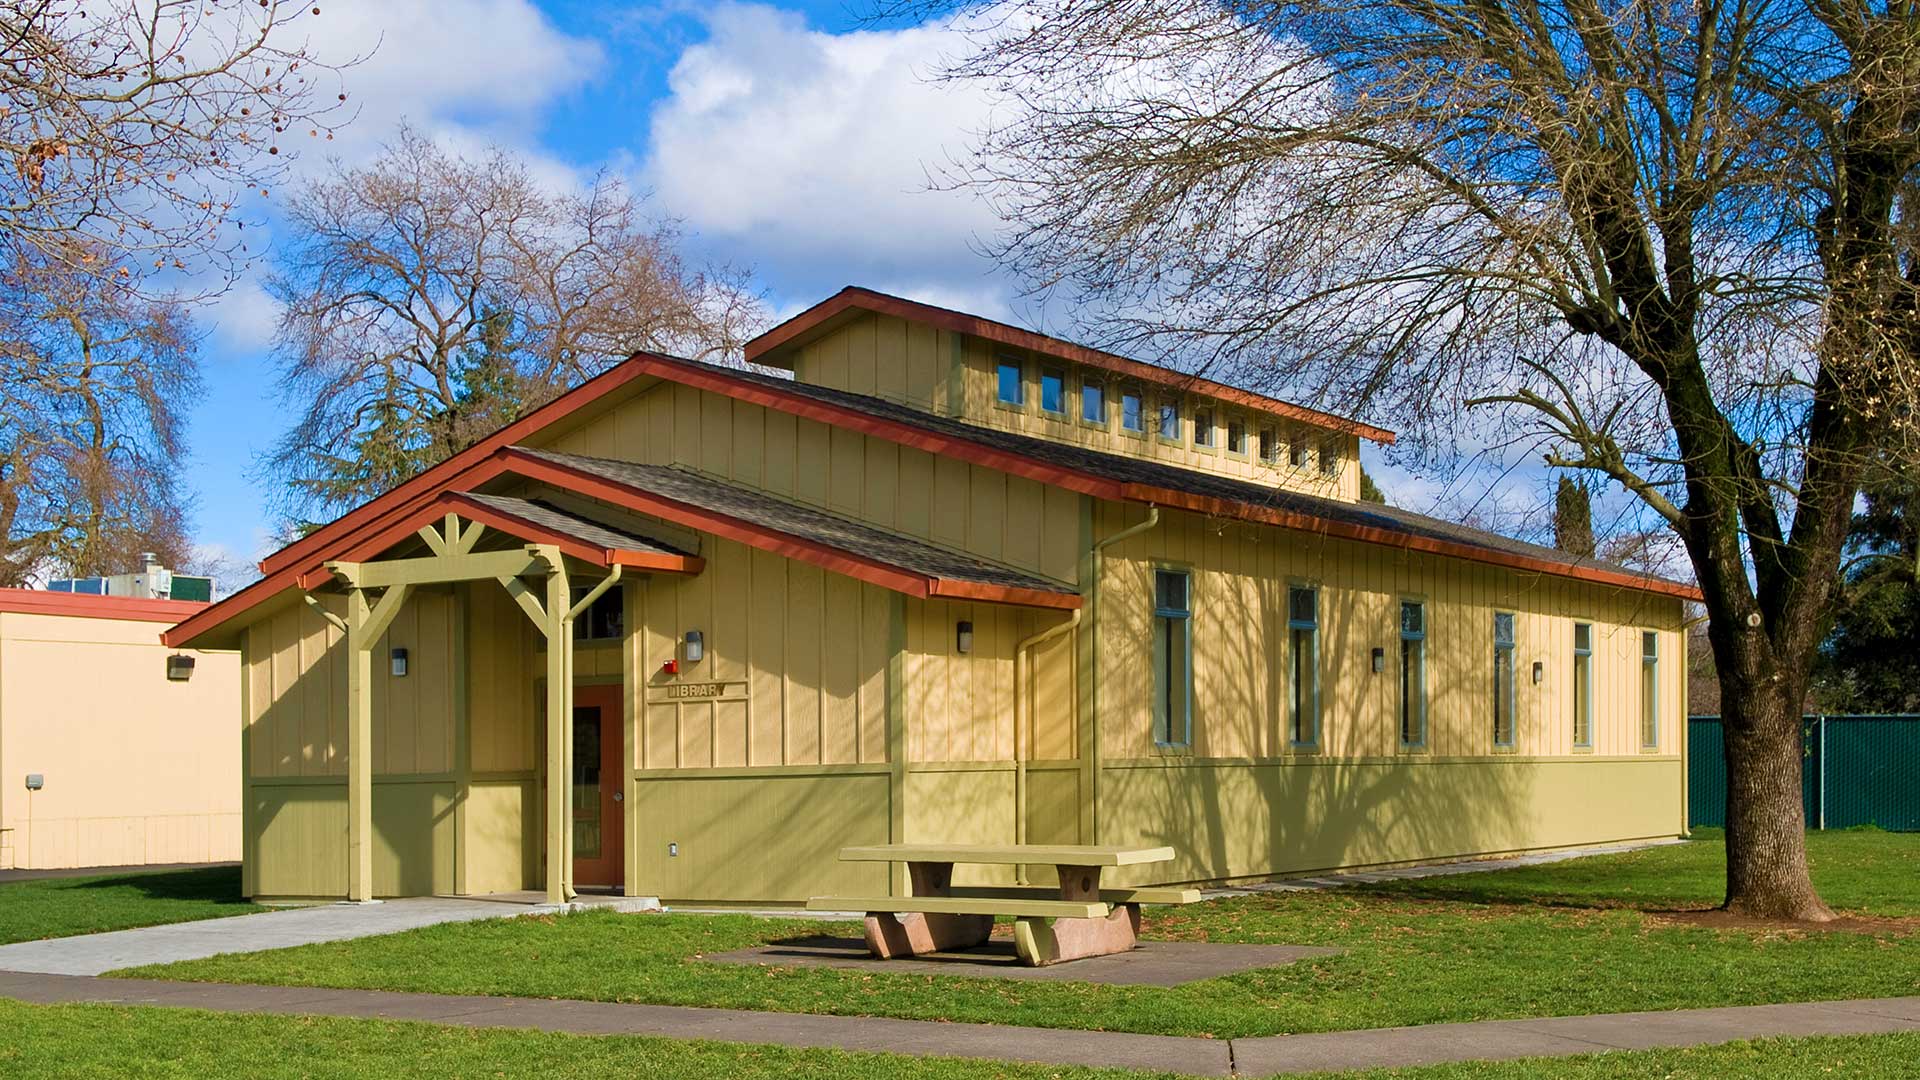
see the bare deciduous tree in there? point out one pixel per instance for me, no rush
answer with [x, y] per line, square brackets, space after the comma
[1672, 244]
[137, 125]
[94, 379]
[429, 299]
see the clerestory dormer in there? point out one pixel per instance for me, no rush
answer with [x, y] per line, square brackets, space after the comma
[1001, 377]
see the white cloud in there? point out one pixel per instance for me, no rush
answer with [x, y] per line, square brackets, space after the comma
[244, 318]
[808, 155]
[483, 67]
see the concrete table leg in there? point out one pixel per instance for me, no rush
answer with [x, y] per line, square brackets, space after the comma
[889, 935]
[1041, 942]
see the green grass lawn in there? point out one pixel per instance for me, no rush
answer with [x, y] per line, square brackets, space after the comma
[61, 907]
[1467, 948]
[114, 1041]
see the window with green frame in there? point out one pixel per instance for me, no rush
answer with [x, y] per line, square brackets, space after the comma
[1303, 632]
[1413, 673]
[1172, 658]
[1583, 684]
[1649, 689]
[1504, 727]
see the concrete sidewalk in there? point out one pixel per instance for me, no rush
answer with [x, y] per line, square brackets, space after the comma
[1281, 1054]
[94, 954]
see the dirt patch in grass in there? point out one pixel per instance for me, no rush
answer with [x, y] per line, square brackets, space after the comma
[1720, 919]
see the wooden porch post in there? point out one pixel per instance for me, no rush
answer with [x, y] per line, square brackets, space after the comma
[559, 736]
[365, 625]
[359, 750]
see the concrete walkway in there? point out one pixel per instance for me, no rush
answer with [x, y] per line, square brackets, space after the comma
[1275, 1055]
[94, 954]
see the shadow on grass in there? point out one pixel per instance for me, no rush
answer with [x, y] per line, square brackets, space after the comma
[208, 885]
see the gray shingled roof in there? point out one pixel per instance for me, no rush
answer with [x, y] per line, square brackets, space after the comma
[574, 525]
[802, 522]
[1152, 473]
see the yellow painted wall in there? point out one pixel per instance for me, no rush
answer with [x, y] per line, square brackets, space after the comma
[960, 708]
[1252, 819]
[137, 769]
[1240, 578]
[956, 375]
[296, 752]
[962, 507]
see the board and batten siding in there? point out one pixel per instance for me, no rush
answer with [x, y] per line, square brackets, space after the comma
[951, 374]
[1002, 518]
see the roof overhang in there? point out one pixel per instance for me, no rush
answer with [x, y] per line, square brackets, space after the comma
[88, 606]
[776, 348]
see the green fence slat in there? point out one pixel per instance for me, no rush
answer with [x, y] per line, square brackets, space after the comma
[1870, 772]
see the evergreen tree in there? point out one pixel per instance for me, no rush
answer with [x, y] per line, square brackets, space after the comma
[1573, 519]
[1869, 663]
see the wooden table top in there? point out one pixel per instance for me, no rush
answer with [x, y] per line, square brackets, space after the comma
[1010, 854]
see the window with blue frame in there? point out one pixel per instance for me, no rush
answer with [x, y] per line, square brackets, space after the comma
[1133, 412]
[1053, 390]
[1583, 684]
[1011, 387]
[1093, 402]
[1172, 658]
[1303, 626]
[1504, 725]
[1170, 421]
[1649, 690]
[1413, 673]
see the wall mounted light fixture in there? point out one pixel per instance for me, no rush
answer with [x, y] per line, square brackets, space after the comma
[963, 637]
[1539, 671]
[696, 646]
[399, 659]
[1379, 661]
[179, 667]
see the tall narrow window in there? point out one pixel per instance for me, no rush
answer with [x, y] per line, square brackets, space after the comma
[1203, 427]
[1583, 684]
[1236, 437]
[1011, 384]
[1297, 452]
[1053, 390]
[1269, 446]
[1172, 659]
[1503, 703]
[1413, 674]
[1303, 624]
[1093, 402]
[1170, 422]
[1649, 689]
[1133, 411]
[1330, 457]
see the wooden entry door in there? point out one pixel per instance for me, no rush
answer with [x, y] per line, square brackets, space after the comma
[599, 809]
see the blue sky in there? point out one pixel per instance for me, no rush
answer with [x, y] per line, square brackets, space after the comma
[790, 140]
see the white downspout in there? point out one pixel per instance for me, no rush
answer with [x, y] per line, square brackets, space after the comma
[1023, 725]
[1093, 598]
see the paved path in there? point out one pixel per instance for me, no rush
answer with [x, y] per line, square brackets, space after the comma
[1280, 1054]
[93, 954]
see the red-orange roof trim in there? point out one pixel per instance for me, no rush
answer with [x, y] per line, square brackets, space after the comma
[769, 348]
[708, 378]
[87, 606]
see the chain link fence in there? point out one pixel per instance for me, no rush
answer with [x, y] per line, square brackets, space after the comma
[1856, 770]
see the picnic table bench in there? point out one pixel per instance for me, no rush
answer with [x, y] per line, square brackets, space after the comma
[1075, 920]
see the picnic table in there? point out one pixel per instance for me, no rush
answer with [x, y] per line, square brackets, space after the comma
[1077, 919]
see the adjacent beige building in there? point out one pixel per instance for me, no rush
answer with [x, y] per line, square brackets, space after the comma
[688, 630]
[104, 759]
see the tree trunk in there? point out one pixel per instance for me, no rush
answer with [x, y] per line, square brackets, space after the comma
[1766, 820]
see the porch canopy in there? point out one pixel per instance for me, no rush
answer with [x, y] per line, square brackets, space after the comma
[534, 550]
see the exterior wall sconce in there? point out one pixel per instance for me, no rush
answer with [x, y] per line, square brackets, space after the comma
[35, 781]
[1379, 661]
[1539, 672]
[963, 637]
[179, 667]
[399, 661]
[696, 646]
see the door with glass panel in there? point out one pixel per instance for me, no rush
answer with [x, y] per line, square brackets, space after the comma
[599, 827]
